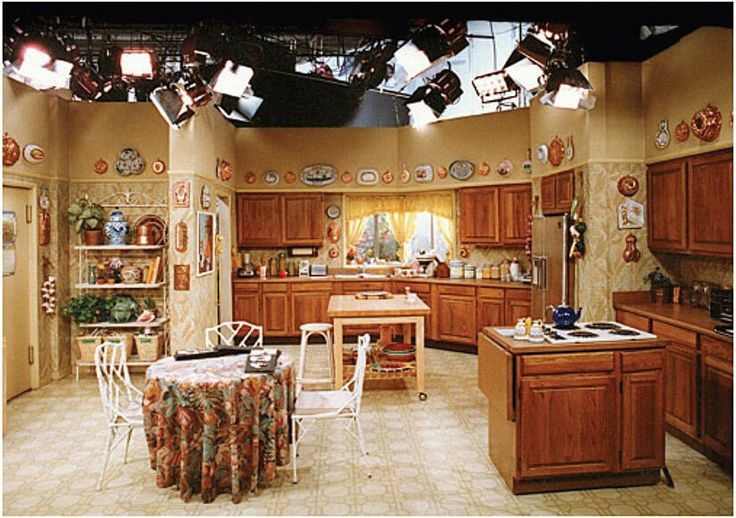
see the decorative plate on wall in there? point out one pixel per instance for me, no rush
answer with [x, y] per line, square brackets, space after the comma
[461, 169]
[250, 177]
[556, 151]
[387, 177]
[662, 139]
[101, 166]
[346, 177]
[333, 253]
[367, 177]
[333, 212]
[129, 162]
[405, 175]
[505, 167]
[223, 170]
[289, 177]
[34, 154]
[682, 131]
[442, 172]
[484, 169]
[628, 185]
[158, 167]
[333, 232]
[318, 175]
[423, 173]
[706, 123]
[11, 150]
[270, 177]
[542, 153]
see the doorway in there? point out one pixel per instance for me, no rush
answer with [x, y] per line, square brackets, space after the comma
[19, 288]
[224, 259]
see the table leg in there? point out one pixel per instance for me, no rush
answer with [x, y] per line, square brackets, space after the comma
[337, 353]
[420, 358]
[406, 331]
[385, 337]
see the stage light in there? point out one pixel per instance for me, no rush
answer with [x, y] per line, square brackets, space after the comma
[137, 63]
[169, 101]
[568, 88]
[428, 102]
[86, 84]
[242, 109]
[232, 79]
[428, 47]
[37, 67]
[527, 65]
[494, 87]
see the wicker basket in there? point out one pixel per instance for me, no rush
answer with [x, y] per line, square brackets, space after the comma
[148, 347]
[126, 338]
[87, 346]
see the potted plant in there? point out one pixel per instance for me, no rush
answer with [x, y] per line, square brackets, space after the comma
[87, 309]
[661, 286]
[123, 308]
[88, 219]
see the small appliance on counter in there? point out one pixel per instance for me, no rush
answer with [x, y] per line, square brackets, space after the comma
[721, 309]
[247, 271]
[303, 268]
[318, 270]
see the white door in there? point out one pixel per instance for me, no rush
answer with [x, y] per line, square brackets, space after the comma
[16, 290]
[225, 267]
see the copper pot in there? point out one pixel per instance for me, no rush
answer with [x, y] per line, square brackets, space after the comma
[706, 124]
[144, 235]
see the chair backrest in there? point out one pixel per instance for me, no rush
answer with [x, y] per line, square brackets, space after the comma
[364, 345]
[228, 333]
[117, 392]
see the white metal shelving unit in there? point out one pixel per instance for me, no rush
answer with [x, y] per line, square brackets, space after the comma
[88, 255]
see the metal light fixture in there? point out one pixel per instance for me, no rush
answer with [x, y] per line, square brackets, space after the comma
[232, 79]
[169, 101]
[239, 109]
[137, 63]
[37, 67]
[527, 65]
[428, 47]
[87, 84]
[428, 102]
[495, 87]
[568, 88]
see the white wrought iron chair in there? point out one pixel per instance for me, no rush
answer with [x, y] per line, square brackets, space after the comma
[313, 406]
[227, 334]
[122, 402]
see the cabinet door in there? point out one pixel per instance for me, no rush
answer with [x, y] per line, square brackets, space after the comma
[549, 196]
[490, 312]
[247, 306]
[308, 307]
[303, 219]
[479, 216]
[456, 318]
[582, 439]
[717, 396]
[710, 204]
[564, 191]
[516, 309]
[681, 388]
[276, 313]
[516, 207]
[666, 192]
[259, 219]
[643, 420]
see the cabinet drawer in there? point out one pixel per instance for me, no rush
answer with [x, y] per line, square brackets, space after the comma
[642, 360]
[250, 286]
[674, 333]
[490, 293]
[566, 363]
[312, 286]
[717, 348]
[356, 286]
[633, 320]
[275, 287]
[446, 289]
[517, 294]
[416, 287]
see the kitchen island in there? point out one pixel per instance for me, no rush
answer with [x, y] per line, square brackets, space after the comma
[576, 415]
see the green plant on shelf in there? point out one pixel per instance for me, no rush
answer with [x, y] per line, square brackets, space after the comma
[84, 214]
[657, 279]
[87, 309]
[123, 308]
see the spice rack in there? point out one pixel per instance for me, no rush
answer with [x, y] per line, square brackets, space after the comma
[135, 205]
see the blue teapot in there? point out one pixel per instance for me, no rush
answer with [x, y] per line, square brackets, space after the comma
[564, 316]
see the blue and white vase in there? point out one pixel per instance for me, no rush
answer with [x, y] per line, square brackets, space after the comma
[116, 229]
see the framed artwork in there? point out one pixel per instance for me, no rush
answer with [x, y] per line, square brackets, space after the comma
[181, 194]
[205, 243]
[181, 277]
[630, 215]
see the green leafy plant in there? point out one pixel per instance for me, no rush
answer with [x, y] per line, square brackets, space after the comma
[657, 279]
[123, 308]
[86, 309]
[85, 215]
[149, 303]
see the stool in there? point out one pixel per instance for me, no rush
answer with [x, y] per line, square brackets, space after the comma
[325, 331]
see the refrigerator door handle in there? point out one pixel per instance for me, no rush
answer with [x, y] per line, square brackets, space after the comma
[539, 272]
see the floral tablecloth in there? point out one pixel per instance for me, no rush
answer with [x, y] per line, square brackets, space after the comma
[211, 427]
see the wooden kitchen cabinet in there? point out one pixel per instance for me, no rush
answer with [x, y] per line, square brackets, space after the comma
[666, 194]
[717, 397]
[276, 309]
[681, 388]
[455, 313]
[424, 292]
[303, 219]
[518, 304]
[557, 192]
[490, 308]
[516, 207]
[247, 303]
[710, 204]
[479, 216]
[259, 219]
[309, 302]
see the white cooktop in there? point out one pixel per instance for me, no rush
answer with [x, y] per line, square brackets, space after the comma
[592, 332]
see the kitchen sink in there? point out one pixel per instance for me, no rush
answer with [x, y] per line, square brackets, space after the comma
[361, 276]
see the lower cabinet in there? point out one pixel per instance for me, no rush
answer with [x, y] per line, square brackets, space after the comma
[717, 396]
[642, 444]
[247, 303]
[309, 304]
[455, 314]
[276, 310]
[518, 304]
[681, 388]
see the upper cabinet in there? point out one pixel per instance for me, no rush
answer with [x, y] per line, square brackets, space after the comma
[495, 215]
[691, 205]
[279, 219]
[557, 192]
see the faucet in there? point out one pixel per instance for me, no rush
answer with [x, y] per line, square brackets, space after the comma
[361, 269]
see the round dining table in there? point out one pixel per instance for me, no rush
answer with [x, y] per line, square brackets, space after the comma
[213, 428]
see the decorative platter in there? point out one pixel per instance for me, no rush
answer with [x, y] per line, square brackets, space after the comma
[628, 185]
[34, 154]
[405, 175]
[367, 177]
[333, 212]
[270, 177]
[556, 151]
[423, 173]
[442, 172]
[484, 169]
[289, 177]
[682, 131]
[129, 162]
[250, 177]
[387, 177]
[318, 175]
[158, 167]
[157, 224]
[101, 166]
[542, 153]
[461, 169]
[505, 167]
[346, 177]
[333, 253]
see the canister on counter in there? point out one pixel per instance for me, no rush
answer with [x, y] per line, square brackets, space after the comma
[479, 272]
[456, 269]
[487, 271]
[495, 272]
[469, 271]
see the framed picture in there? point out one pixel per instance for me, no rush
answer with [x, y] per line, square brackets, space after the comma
[205, 243]
[181, 194]
[630, 215]
[181, 277]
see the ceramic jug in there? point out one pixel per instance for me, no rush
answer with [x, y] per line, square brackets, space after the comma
[116, 230]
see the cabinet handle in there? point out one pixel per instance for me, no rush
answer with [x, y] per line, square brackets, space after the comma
[30, 355]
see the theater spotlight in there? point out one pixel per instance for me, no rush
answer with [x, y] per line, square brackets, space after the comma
[428, 102]
[428, 47]
[568, 88]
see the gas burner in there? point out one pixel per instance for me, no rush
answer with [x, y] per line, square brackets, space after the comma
[566, 328]
[603, 326]
[583, 334]
[624, 332]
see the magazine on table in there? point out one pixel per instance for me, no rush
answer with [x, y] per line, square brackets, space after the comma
[262, 360]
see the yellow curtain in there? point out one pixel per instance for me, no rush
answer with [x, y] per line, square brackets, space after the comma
[356, 227]
[446, 226]
[403, 224]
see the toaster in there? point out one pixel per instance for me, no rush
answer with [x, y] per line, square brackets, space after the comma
[317, 270]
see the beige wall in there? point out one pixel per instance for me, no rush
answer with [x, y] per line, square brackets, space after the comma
[683, 79]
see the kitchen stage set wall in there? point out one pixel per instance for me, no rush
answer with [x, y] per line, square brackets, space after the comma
[617, 135]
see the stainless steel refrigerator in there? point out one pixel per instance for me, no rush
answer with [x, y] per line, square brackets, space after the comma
[550, 268]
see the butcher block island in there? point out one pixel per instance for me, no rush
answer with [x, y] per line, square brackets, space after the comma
[574, 413]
